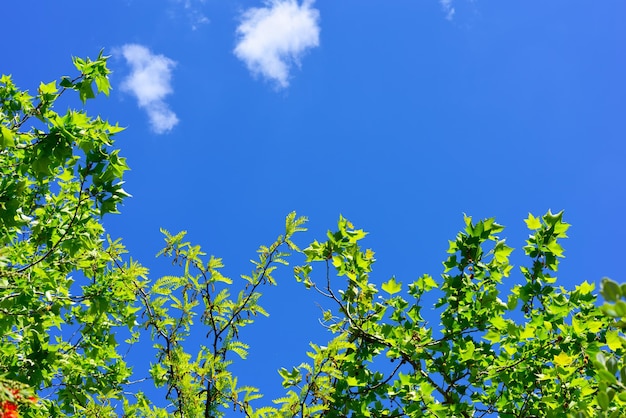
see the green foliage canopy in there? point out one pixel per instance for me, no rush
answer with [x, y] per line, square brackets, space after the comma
[60, 175]
[67, 292]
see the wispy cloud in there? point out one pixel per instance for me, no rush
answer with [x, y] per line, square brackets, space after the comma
[274, 37]
[150, 81]
[447, 7]
[192, 10]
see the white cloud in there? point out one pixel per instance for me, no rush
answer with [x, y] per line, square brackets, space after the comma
[150, 81]
[447, 8]
[274, 37]
[193, 12]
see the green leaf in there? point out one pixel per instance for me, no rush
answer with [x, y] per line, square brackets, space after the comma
[609, 310]
[492, 336]
[603, 400]
[85, 91]
[7, 137]
[610, 290]
[502, 252]
[353, 381]
[533, 223]
[392, 286]
[426, 283]
[49, 89]
[103, 85]
[607, 376]
[563, 359]
[468, 352]
[66, 82]
[585, 288]
[555, 248]
[613, 340]
[620, 308]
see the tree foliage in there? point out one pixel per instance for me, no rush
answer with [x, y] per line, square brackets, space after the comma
[68, 292]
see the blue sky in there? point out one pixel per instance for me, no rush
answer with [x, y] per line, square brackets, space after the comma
[400, 115]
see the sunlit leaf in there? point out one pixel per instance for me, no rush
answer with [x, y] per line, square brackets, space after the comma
[391, 286]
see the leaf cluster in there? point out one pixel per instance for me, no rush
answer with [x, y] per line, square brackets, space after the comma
[538, 351]
[68, 293]
[63, 295]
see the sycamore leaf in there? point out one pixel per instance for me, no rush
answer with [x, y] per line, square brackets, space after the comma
[528, 332]
[585, 288]
[6, 137]
[613, 340]
[594, 326]
[533, 223]
[392, 286]
[468, 353]
[426, 282]
[579, 326]
[563, 359]
[492, 336]
[353, 381]
[555, 248]
[48, 89]
[502, 253]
